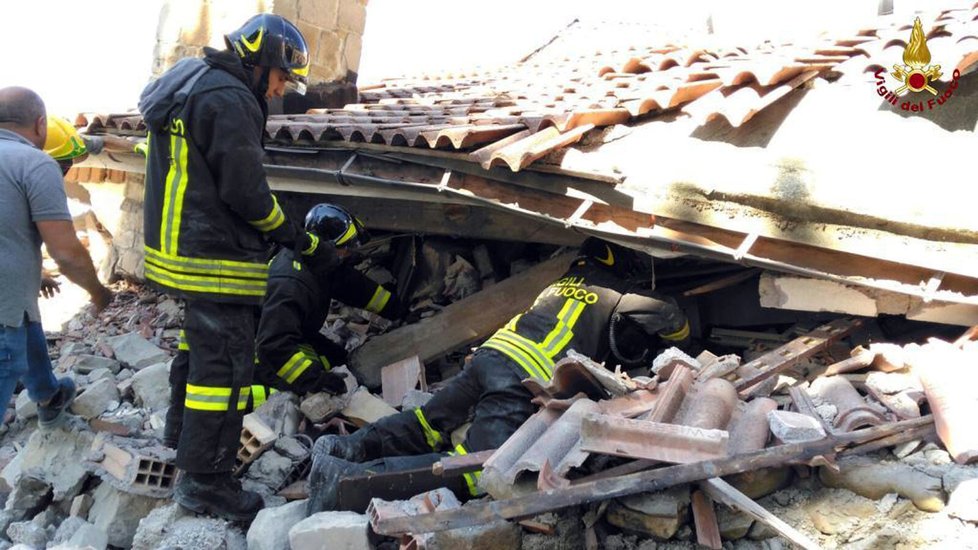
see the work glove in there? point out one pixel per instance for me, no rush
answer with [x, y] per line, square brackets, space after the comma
[319, 254]
[330, 382]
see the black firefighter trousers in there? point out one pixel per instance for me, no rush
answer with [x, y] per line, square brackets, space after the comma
[214, 385]
[489, 388]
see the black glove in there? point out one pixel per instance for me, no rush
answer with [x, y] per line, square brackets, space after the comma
[318, 254]
[331, 382]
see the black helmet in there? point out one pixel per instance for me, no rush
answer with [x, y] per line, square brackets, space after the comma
[624, 262]
[268, 40]
[332, 222]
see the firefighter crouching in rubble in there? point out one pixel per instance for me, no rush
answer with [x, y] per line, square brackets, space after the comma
[292, 354]
[208, 218]
[597, 308]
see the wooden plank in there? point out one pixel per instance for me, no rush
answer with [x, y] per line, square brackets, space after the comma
[461, 323]
[705, 519]
[474, 221]
[460, 464]
[721, 491]
[479, 513]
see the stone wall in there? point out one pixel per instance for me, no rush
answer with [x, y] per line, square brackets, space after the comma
[333, 30]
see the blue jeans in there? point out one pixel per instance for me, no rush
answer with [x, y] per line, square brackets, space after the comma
[24, 356]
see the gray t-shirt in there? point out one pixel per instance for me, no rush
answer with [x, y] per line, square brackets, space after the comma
[31, 190]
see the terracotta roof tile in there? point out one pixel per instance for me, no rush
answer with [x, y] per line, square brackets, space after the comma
[520, 113]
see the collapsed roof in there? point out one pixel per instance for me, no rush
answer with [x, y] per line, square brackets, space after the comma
[783, 156]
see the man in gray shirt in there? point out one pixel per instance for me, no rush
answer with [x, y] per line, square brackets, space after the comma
[33, 210]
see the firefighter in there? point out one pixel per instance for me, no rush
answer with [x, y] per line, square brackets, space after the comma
[598, 308]
[209, 218]
[292, 354]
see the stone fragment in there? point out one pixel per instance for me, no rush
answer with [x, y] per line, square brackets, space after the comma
[280, 412]
[171, 526]
[99, 374]
[118, 513]
[873, 479]
[659, 515]
[134, 351]
[84, 364]
[366, 408]
[963, 503]
[793, 427]
[67, 528]
[270, 469]
[292, 448]
[414, 399]
[54, 458]
[95, 399]
[569, 534]
[75, 348]
[25, 407]
[331, 531]
[499, 534]
[29, 533]
[270, 530]
[666, 361]
[80, 506]
[733, 524]
[759, 483]
[151, 386]
[89, 537]
[319, 407]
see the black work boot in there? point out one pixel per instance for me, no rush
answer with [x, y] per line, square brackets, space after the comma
[347, 447]
[217, 494]
[324, 481]
[50, 415]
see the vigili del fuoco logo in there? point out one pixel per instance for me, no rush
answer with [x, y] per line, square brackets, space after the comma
[916, 75]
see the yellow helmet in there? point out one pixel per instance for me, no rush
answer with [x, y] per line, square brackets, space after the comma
[63, 141]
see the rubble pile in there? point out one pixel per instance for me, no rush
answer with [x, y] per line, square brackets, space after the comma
[795, 446]
[797, 439]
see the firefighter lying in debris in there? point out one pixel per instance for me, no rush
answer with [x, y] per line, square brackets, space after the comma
[292, 354]
[598, 308]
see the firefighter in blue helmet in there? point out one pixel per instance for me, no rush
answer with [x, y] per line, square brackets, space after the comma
[209, 222]
[601, 307]
[293, 355]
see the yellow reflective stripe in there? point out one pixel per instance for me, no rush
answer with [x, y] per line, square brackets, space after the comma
[471, 478]
[563, 332]
[313, 244]
[243, 397]
[379, 300]
[430, 435]
[680, 334]
[295, 366]
[532, 348]
[351, 230]
[256, 44]
[326, 364]
[176, 182]
[182, 344]
[210, 266]
[272, 221]
[511, 325]
[207, 398]
[198, 283]
[559, 327]
[517, 355]
[258, 394]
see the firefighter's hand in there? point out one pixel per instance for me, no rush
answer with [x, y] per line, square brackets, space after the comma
[331, 382]
[318, 254]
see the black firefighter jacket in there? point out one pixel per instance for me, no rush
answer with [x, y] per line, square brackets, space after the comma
[577, 312]
[297, 302]
[208, 209]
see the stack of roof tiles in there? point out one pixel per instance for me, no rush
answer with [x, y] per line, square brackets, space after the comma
[517, 114]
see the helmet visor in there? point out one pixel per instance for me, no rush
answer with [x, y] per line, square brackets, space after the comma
[297, 67]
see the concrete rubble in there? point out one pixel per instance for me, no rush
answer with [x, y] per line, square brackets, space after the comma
[104, 479]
